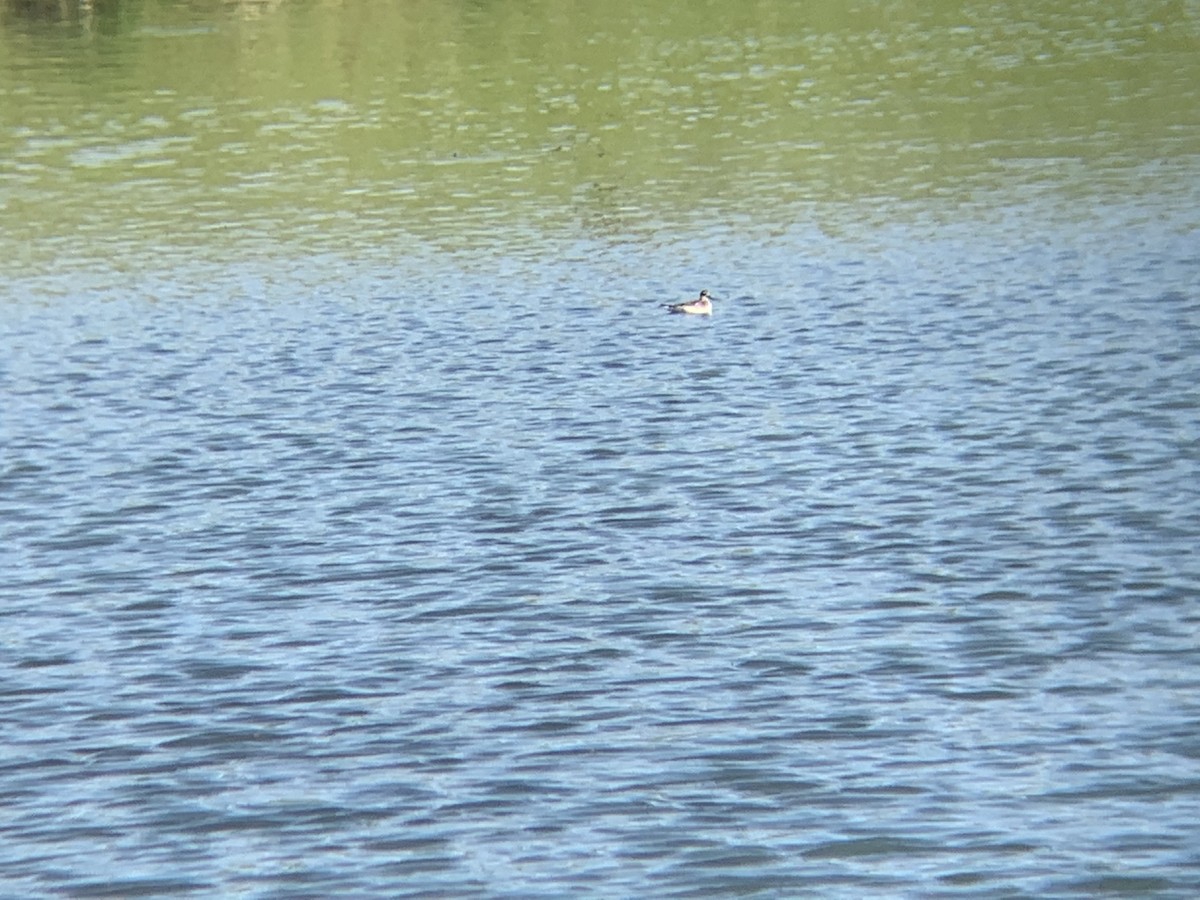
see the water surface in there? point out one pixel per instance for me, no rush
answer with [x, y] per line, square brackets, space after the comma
[368, 530]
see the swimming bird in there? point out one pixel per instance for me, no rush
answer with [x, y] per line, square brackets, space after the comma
[700, 307]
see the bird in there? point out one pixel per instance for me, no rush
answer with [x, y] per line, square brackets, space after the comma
[699, 307]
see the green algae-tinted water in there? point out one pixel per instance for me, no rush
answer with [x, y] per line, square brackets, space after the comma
[131, 129]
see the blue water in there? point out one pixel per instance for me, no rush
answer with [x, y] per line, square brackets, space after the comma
[482, 575]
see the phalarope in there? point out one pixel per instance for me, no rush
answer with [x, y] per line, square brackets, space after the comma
[700, 307]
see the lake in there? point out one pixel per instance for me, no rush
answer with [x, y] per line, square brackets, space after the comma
[369, 529]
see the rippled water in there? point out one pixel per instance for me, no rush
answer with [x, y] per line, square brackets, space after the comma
[368, 529]
[882, 580]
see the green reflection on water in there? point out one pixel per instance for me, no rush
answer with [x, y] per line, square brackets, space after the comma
[214, 126]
